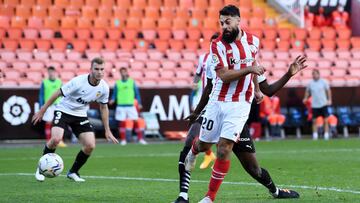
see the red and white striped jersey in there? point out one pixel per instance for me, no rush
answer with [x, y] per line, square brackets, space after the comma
[236, 55]
[204, 60]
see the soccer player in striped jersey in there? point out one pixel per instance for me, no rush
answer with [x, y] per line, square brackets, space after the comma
[229, 104]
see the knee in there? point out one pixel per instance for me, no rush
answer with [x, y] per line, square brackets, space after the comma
[88, 148]
[223, 152]
[55, 141]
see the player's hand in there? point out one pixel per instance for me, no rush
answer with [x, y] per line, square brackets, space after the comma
[110, 137]
[37, 117]
[140, 107]
[259, 97]
[111, 102]
[297, 65]
[192, 118]
[257, 70]
[304, 101]
[329, 102]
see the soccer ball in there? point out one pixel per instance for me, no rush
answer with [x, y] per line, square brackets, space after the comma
[51, 165]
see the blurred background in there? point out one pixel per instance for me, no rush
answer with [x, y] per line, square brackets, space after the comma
[159, 42]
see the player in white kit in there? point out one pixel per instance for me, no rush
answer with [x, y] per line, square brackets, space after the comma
[230, 100]
[72, 111]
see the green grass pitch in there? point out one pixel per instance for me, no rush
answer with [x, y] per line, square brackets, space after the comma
[320, 171]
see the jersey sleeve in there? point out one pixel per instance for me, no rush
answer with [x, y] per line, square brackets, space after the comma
[218, 56]
[104, 98]
[208, 71]
[199, 69]
[69, 87]
[326, 84]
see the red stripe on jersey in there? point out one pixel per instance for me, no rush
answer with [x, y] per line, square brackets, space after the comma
[250, 88]
[241, 82]
[215, 51]
[225, 86]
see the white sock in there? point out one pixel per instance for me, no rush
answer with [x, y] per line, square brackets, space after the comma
[184, 195]
[315, 136]
[326, 136]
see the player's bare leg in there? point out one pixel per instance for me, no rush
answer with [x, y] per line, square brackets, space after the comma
[250, 164]
[326, 128]
[57, 134]
[87, 139]
[314, 129]
[220, 169]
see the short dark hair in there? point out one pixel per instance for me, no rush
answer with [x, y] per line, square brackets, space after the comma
[215, 36]
[123, 68]
[51, 68]
[97, 60]
[230, 10]
[316, 71]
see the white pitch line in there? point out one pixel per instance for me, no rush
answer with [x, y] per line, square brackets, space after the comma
[333, 189]
[176, 154]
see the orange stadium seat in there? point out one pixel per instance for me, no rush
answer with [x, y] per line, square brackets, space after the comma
[315, 33]
[28, 2]
[153, 65]
[341, 63]
[27, 44]
[212, 12]
[58, 44]
[92, 3]
[155, 3]
[130, 34]
[189, 55]
[283, 45]
[7, 10]
[69, 65]
[105, 12]
[324, 63]
[167, 12]
[267, 54]
[168, 64]
[43, 44]
[210, 23]
[101, 23]
[8, 55]
[187, 4]
[67, 34]
[311, 63]
[164, 34]
[133, 23]
[140, 55]
[139, 4]
[95, 45]
[161, 45]
[14, 33]
[195, 23]
[328, 44]
[88, 12]
[176, 45]
[111, 45]
[2, 33]
[314, 44]
[141, 45]
[4, 22]
[343, 33]
[9, 44]
[354, 64]
[109, 3]
[11, 2]
[68, 22]
[127, 45]
[192, 45]
[164, 23]
[148, 23]
[257, 32]
[51, 23]
[268, 44]
[179, 24]
[343, 44]
[124, 3]
[328, 54]
[193, 33]
[173, 55]
[155, 55]
[61, 3]
[137, 65]
[45, 3]
[152, 74]
[23, 11]
[182, 13]
[216, 4]
[56, 12]
[328, 33]
[259, 12]
[35, 22]
[39, 11]
[135, 12]
[152, 12]
[343, 54]
[73, 55]
[355, 43]
[82, 33]
[36, 65]
[18, 22]
[198, 13]
[114, 34]
[24, 55]
[67, 75]
[270, 33]
[284, 33]
[170, 3]
[83, 22]
[179, 34]
[282, 55]
[256, 23]
[20, 65]
[57, 55]
[12, 74]
[299, 33]
[79, 45]
[33, 74]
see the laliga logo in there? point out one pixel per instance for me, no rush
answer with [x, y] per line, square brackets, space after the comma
[16, 110]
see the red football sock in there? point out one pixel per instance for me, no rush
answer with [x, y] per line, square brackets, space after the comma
[219, 171]
[208, 152]
[139, 133]
[47, 131]
[122, 130]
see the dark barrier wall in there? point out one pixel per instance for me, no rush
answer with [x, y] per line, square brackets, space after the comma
[172, 105]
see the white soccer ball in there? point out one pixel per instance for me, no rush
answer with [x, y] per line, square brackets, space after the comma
[51, 165]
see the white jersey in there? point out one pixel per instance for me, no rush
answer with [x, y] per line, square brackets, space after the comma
[236, 55]
[201, 70]
[78, 93]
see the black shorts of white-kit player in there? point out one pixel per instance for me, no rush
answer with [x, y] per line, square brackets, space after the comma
[78, 124]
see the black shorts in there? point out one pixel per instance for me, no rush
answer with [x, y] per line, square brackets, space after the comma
[78, 124]
[245, 144]
[323, 111]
